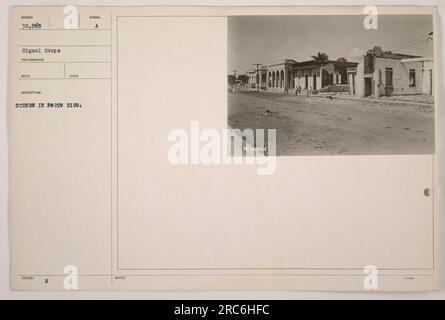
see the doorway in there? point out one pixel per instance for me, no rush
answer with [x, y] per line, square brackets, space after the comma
[388, 81]
[368, 86]
[351, 82]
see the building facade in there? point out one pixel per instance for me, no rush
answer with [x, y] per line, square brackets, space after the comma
[288, 75]
[276, 76]
[322, 76]
[377, 73]
[384, 73]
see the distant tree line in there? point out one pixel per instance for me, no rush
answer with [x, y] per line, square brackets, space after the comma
[242, 78]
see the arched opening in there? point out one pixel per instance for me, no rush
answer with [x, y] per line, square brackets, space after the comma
[281, 79]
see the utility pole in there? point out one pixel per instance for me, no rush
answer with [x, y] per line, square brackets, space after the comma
[257, 76]
[234, 76]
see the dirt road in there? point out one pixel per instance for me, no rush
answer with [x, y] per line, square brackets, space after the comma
[320, 126]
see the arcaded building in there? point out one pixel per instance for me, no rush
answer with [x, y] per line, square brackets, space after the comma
[288, 74]
[276, 76]
[377, 73]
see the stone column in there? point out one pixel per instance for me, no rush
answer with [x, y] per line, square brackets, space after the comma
[286, 80]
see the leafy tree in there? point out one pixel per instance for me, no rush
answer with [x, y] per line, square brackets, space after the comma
[231, 79]
[342, 59]
[243, 78]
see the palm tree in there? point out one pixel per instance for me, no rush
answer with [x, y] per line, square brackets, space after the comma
[342, 59]
[321, 57]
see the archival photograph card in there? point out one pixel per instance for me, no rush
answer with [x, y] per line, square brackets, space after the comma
[223, 148]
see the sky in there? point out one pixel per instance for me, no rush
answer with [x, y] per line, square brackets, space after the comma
[265, 39]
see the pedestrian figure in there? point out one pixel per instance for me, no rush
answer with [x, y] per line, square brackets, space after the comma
[381, 89]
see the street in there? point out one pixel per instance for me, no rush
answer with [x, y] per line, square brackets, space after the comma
[320, 126]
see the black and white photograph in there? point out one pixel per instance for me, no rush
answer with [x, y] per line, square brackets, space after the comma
[331, 86]
[224, 158]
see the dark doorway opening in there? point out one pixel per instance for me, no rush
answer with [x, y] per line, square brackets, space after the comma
[368, 87]
[388, 82]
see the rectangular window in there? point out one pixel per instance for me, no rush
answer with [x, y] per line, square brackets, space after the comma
[369, 63]
[412, 77]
